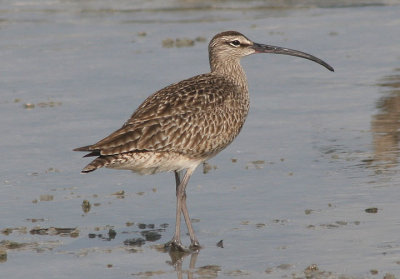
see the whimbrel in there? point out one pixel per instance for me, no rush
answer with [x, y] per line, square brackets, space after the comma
[186, 123]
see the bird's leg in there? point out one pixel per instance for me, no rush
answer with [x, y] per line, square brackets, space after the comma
[194, 243]
[180, 190]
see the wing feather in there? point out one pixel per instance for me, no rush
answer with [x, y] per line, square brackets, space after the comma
[186, 117]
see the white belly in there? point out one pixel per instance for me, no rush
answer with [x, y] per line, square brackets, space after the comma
[153, 162]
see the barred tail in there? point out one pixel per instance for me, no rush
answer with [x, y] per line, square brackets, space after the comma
[97, 163]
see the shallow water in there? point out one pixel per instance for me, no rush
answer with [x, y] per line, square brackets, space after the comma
[317, 151]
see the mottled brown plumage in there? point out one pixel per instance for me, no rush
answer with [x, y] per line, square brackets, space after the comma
[197, 118]
[184, 124]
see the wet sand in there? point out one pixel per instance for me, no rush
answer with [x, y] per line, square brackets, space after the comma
[309, 189]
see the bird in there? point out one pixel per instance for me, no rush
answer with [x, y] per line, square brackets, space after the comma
[186, 123]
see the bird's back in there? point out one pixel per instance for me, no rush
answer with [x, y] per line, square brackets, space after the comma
[194, 119]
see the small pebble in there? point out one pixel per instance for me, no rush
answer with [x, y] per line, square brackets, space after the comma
[141, 226]
[111, 233]
[74, 233]
[312, 267]
[151, 235]
[308, 211]
[29, 106]
[134, 242]
[185, 42]
[168, 43]
[269, 270]
[200, 39]
[119, 193]
[371, 210]
[46, 197]
[373, 271]
[3, 255]
[284, 266]
[389, 276]
[86, 206]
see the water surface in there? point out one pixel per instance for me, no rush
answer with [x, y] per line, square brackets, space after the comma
[310, 186]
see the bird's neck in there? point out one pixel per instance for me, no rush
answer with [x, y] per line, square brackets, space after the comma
[230, 69]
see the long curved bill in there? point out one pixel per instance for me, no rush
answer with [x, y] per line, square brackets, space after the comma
[261, 48]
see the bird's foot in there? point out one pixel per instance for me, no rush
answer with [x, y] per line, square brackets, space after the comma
[175, 245]
[195, 246]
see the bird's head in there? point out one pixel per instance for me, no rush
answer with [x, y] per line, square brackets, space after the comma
[232, 45]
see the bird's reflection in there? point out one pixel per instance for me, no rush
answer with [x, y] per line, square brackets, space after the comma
[178, 258]
[385, 125]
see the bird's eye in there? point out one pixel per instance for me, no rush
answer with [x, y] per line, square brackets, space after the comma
[235, 43]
